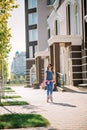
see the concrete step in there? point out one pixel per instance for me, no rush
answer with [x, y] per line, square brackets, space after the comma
[75, 89]
[61, 89]
[82, 85]
[71, 88]
[68, 88]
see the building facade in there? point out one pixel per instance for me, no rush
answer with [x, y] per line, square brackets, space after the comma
[61, 39]
[68, 40]
[18, 66]
[36, 13]
[84, 41]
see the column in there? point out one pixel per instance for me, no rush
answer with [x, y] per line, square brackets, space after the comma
[51, 55]
[56, 58]
[62, 58]
[38, 70]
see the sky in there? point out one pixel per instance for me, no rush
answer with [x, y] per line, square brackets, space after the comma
[17, 25]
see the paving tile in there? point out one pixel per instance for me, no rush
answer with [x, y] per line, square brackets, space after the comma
[67, 112]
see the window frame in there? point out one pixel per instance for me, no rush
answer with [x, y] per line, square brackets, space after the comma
[32, 36]
[32, 4]
[32, 18]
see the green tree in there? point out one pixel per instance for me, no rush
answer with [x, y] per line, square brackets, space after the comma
[22, 80]
[6, 6]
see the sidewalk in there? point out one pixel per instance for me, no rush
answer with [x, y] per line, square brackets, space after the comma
[68, 112]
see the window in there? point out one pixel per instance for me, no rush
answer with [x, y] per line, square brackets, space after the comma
[36, 48]
[48, 33]
[68, 22]
[30, 51]
[32, 4]
[85, 7]
[32, 18]
[56, 28]
[76, 20]
[58, 23]
[33, 35]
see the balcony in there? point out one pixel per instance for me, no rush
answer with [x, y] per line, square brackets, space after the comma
[75, 40]
[44, 53]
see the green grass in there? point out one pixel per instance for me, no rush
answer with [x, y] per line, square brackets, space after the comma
[8, 121]
[13, 103]
[8, 88]
[5, 97]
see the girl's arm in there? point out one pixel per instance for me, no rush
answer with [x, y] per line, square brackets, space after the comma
[53, 77]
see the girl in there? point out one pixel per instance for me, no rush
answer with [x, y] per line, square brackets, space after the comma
[49, 82]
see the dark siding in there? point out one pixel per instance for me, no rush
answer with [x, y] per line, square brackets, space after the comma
[76, 64]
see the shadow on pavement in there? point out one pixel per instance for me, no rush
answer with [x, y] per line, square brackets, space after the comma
[29, 106]
[79, 92]
[7, 109]
[34, 128]
[44, 128]
[64, 104]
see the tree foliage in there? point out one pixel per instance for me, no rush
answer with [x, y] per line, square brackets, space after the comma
[6, 6]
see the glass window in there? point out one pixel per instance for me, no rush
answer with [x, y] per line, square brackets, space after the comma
[77, 19]
[30, 51]
[48, 33]
[32, 4]
[68, 20]
[36, 48]
[56, 28]
[32, 18]
[33, 35]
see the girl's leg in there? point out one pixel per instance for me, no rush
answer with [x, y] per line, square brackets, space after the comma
[51, 91]
[47, 87]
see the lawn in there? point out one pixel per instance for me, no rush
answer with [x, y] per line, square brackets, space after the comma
[8, 121]
[14, 96]
[12, 103]
[8, 89]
